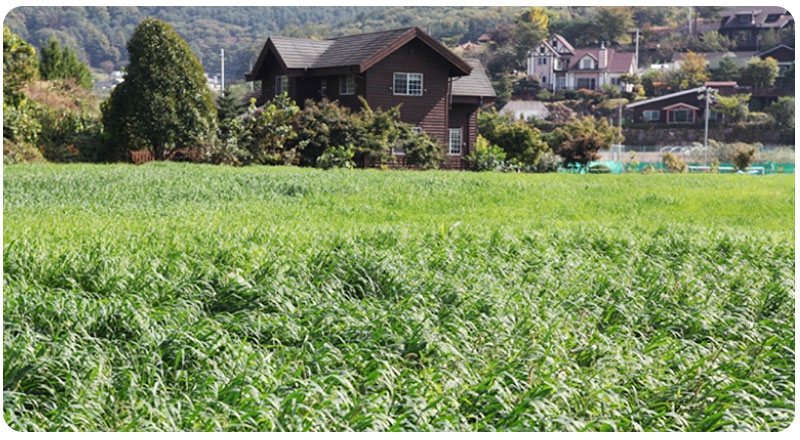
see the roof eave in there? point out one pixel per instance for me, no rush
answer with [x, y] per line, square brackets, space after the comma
[462, 67]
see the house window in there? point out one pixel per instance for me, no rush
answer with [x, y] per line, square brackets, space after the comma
[417, 130]
[542, 60]
[281, 84]
[454, 142]
[772, 18]
[544, 78]
[347, 85]
[587, 83]
[323, 87]
[408, 84]
[681, 116]
[615, 81]
[587, 63]
[651, 115]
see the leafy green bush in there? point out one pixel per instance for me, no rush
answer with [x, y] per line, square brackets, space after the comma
[544, 95]
[486, 157]
[21, 123]
[520, 141]
[322, 124]
[269, 131]
[337, 157]
[782, 111]
[420, 149]
[71, 137]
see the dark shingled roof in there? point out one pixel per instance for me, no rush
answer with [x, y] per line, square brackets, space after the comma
[355, 49]
[474, 84]
[360, 50]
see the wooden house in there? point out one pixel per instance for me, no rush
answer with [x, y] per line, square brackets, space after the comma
[679, 108]
[439, 91]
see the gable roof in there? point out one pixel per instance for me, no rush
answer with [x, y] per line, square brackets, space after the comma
[361, 51]
[563, 42]
[780, 46]
[662, 97]
[474, 84]
[759, 17]
[617, 61]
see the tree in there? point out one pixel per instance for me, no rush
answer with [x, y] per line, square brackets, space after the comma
[521, 142]
[613, 22]
[229, 106]
[727, 70]
[760, 73]
[734, 107]
[714, 42]
[164, 103]
[783, 112]
[531, 29]
[61, 62]
[19, 66]
[579, 141]
[692, 72]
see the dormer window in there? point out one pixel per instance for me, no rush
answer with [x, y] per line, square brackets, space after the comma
[772, 18]
[587, 63]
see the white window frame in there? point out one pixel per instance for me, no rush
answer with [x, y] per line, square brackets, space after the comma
[454, 150]
[323, 87]
[417, 130]
[281, 81]
[347, 84]
[651, 112]
[583, 63]
[542, 61]
[407, 91]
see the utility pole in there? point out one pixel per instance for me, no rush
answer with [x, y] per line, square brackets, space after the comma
[636, 52]
[222, 79]
[706, 94]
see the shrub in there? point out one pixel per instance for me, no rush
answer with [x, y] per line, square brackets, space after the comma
[486, 157]
[269, 130]
[580, 141]
[673, 163]
[228, 148]
[518, 140]
[21, 123]
[71, 137]
[548, 163]
[421, 150]
[322, 124]
[337, 157]
[544, 95]
[744, 156]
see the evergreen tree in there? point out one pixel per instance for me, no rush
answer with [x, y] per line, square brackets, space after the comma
[164, 103]
[19, 66]
[59, 62]
[727, 70]
[228, 106]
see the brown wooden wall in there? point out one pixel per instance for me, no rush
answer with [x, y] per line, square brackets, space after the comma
[429, 111]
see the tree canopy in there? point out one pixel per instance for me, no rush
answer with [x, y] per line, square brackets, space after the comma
[60, 62]
[164, 103]
[19, 65]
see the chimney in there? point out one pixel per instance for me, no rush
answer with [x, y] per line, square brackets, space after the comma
[602, 56]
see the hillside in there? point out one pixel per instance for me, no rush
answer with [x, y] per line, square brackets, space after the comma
[99, 34]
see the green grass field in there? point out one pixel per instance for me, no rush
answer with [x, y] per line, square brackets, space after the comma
[191, 297]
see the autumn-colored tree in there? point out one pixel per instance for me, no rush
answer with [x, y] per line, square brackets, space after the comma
[760, 73]
[531, 29]
[692, 73]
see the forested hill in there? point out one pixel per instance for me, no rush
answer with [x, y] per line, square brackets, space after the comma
[99, 34]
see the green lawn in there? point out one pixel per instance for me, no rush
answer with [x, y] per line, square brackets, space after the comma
[191, 297]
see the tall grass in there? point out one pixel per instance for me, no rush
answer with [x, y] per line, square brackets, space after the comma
[184, 297]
